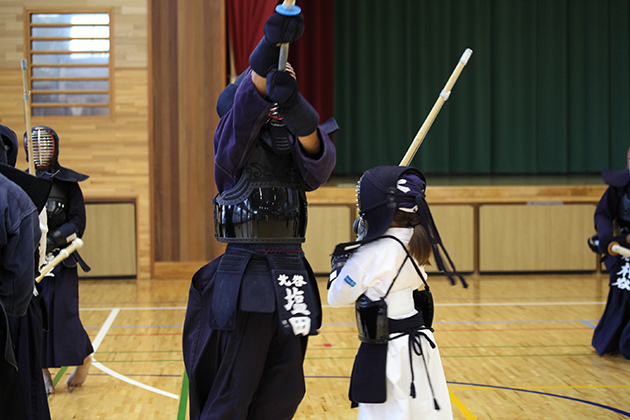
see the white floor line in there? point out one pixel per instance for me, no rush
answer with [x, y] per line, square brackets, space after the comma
[96, 344]
[504, 304]
[131, 381]
[521, 303]
[137, 308]
[154, 308]
[105, 328]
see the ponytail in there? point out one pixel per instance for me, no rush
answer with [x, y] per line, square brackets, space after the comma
[420, 244]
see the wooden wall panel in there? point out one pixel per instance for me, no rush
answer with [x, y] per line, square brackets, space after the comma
[110, 243]
[456, 225]
[12, 35]
[129, 33]
[113, 151]
[164, 128]
[536, 237]
[189, 72]
[522, 228]
[187, 59]
[327, 226]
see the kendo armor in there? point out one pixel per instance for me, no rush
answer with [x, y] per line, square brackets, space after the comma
[8, 145]
[60, 233]
[623, 214]
[372, 321]
[378, 199]
[45, 147]
[268, 203]
[56, 208]
[371, 315]
[623, 210]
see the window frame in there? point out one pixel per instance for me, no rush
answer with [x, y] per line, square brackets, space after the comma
[28, 25]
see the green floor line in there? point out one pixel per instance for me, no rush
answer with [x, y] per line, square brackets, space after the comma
[183, 399]
[140, 361]
[58, 377]
[477, 355]
[522, 355]
[462, 347]
[328, 358]
[509, 347]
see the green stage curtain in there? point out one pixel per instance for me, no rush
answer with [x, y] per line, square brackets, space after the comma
[546, 91]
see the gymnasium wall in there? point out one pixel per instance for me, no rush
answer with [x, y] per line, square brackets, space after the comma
[113, 151]
[150, 163]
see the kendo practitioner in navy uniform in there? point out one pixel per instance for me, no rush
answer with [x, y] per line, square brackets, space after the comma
[250, 311]
[612, 223]
[66, 343]
[22, 394]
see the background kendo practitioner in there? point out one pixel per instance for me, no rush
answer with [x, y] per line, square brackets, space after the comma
[612, 223]
[66, 343]
[397, 373]
[250, 310]
[22, 197]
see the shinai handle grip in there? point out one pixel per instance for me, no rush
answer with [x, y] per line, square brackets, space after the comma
[287, 8]
[63, 254]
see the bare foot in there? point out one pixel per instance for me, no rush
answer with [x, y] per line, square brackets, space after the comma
[48, 382]
[79, 375]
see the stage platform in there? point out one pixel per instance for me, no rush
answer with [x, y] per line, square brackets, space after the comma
[482, 189]
[489, 224]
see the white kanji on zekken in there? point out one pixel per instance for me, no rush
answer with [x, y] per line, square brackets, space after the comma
[297, 280]
[623, 282]
[301, 325]
[295, 301]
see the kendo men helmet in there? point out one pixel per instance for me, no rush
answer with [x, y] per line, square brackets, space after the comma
[383, 190]
[380, 192]
[8, 146]
[45, 147]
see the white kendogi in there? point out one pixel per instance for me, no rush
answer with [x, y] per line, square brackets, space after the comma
[371, 270]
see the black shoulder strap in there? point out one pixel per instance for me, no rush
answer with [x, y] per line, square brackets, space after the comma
[408, 257]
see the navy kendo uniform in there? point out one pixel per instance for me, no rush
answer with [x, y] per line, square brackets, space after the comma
[66, 343]
[251, 310]
[22, 196]
[612, 222]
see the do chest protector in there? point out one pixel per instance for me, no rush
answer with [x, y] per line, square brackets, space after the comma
[267, 205]
[56, 207]
[623, 211]
[372, 321]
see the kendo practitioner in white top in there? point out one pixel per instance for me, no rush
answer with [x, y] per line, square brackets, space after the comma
[251, 310]
[397, 374]
[66, 343]
[22, 197]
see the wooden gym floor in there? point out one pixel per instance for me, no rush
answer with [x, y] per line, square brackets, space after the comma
[513, 347]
